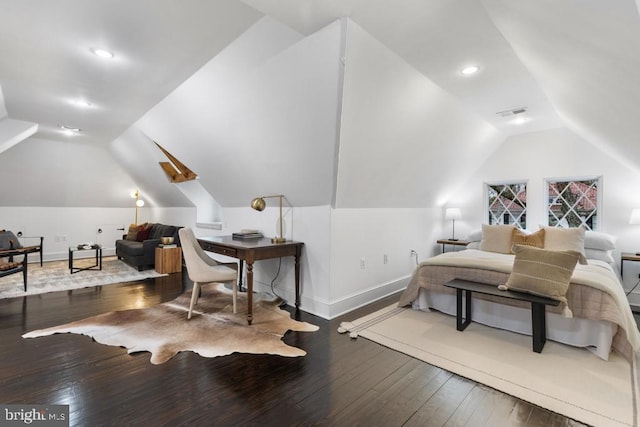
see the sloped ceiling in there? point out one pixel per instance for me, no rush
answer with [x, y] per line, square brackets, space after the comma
[569, 62]
[587, 65]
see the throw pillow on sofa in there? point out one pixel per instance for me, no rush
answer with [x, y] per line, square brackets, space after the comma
[144, 231]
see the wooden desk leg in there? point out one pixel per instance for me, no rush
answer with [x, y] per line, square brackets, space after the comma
[249, 292]
[538, 326]
[297, 268]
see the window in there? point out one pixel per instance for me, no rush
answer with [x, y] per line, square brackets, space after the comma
[507, 204]
[573, 203]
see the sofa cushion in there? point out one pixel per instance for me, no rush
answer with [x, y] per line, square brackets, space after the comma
[130, 247]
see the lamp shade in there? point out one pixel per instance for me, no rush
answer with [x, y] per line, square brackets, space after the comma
[258, 204]
[635, 216]
[452, 213]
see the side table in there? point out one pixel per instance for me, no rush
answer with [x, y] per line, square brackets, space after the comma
[86, 247]
[168, 260]
[634, 300]
[456, 242]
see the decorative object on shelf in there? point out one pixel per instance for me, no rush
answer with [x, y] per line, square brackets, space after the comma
[453, 214]
[139, 202]
[259, 204]
[166, 240]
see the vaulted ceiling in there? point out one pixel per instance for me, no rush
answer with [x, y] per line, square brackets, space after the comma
[569, 63]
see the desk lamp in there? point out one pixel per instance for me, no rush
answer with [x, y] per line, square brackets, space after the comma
[259, 204]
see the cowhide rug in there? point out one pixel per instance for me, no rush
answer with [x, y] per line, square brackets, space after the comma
[212, 331]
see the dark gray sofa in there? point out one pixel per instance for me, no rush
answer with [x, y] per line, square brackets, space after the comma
[143, 254]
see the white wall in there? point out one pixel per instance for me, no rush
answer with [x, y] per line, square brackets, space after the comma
[63, 227]
[364, 236]
[555, 154]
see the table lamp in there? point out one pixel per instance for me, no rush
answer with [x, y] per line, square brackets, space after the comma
[453, 214]
[259, 204]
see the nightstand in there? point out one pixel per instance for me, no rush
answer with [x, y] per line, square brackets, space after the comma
[456, 242]
[168, 260]
[634, 299]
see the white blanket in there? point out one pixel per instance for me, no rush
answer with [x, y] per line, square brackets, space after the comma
[595, 274]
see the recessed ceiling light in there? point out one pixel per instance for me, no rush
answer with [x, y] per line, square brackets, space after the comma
[471, 69]
[519, 120]
[68, 130]
[102, 53]
[82, 103]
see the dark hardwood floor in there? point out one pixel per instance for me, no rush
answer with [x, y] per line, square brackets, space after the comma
[341, 382]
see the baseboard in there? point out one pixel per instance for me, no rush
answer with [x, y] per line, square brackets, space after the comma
[329, 310]
[63, 256]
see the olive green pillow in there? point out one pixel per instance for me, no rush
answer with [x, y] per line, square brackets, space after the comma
[133, 232]
[542, 272]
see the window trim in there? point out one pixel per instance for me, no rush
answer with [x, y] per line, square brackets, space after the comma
[599, 206]
[487, 184]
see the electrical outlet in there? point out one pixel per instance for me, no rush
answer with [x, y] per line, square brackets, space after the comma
[363, 263]
[385, 259]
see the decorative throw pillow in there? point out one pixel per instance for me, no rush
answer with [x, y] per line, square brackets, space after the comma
[542, 272]
[534, 239]
[497, 238]
[132, 234]
[144, 231]
[564, 239]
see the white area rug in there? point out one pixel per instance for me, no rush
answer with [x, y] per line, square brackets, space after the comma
[55, 276]
[567, 380]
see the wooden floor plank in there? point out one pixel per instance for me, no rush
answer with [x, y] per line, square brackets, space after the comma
[340, 381]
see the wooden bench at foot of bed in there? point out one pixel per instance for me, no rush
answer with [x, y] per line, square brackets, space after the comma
[538, 312]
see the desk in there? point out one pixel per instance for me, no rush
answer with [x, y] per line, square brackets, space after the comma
[254, 250]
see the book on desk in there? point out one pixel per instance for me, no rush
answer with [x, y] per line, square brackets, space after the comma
[247, 235]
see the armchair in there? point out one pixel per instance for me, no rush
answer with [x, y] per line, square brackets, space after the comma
[8, 240]
[7, 268]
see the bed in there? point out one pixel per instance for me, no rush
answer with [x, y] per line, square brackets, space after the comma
[596, 315]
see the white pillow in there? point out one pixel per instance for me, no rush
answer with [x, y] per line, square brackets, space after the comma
[598, 240]
[497, 238]
[475, 236]
[598, 254]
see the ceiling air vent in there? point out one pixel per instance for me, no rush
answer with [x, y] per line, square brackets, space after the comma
[513, 112]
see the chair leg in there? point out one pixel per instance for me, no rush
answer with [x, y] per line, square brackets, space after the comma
[194, 297]
[235, 296]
